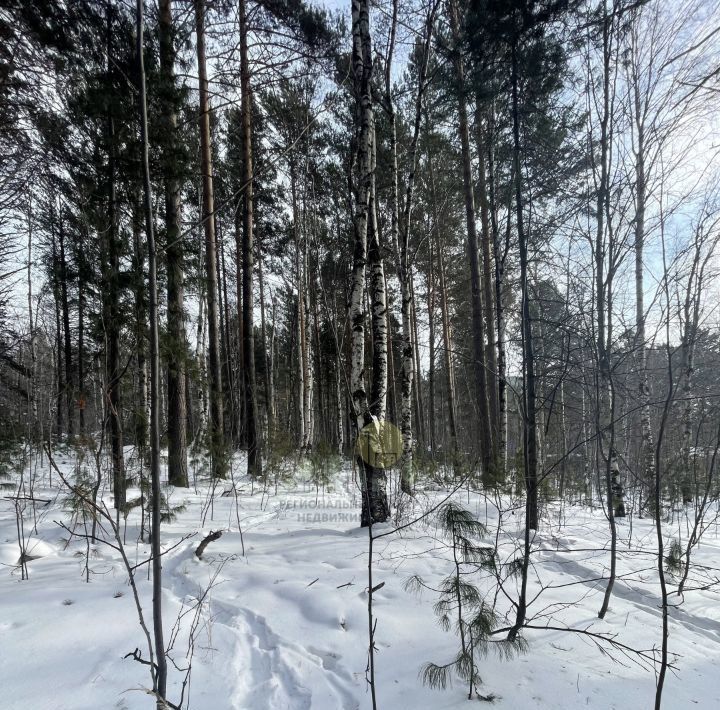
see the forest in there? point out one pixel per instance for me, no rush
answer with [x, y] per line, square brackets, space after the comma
[359, 354]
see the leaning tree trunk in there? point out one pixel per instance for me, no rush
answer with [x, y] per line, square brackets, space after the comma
[177, 413]
[216, 437]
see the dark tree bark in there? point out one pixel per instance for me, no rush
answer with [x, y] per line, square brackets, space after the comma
[499, 277]
[216, 430]
[254, 461]
[174, 252]
[177, 414]
[374, 480]
[239, 433]
[140, 298]
[445, 314]
[111, 302]
[431, 366]
[487, 281]
[267, 380]
[67, 335]
[59, 369]
[476, 299]
[160, 675]
[378, 305]
[80, 261]
[228, 376]
[528, 353]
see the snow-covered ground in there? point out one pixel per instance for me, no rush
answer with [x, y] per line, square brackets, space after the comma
[285, 625]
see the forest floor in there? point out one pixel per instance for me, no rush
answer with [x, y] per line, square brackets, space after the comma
[284, 626]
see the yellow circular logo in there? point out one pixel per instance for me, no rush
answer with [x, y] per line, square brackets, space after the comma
[380, 444]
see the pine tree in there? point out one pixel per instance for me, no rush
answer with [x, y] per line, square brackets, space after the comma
[460, 604]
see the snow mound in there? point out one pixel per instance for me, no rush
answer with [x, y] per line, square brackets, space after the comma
[34, 548]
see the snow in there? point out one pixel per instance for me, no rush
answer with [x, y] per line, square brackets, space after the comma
[285, 626]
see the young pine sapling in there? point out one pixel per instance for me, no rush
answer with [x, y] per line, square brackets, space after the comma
[461, 604]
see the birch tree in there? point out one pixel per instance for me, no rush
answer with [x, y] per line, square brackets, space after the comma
[374, 498]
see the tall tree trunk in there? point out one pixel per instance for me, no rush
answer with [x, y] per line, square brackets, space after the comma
[267, 380]
[528, 406]
[313, 311]
[417, 390]
[67, 335]
[605, 417]
[111, 302]
[306, 332]
[254, 460]
[431, 365]
[378, 300]
[339, 408]
[240, 432]
[401, 262]
[488, 280]
[691, 320]
[499, 255]
[445, 314]
[34, 423]
[528, 354]
[300, 314]
[271, 366]
[478, 327]
[200, 359]
[402, 245]
[319, 377]
[648, 447]
[374, 480]
[160, 674]
[216, 438]
[57, 298]
[177, 414]
[392, 386]
[226, 371]
[80, 261]
[140, 414]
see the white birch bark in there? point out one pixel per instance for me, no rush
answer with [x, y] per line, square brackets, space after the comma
[373, 480]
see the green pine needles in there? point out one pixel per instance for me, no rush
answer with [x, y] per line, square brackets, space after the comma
[461, 605]
[674, 557]
[324, 463]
